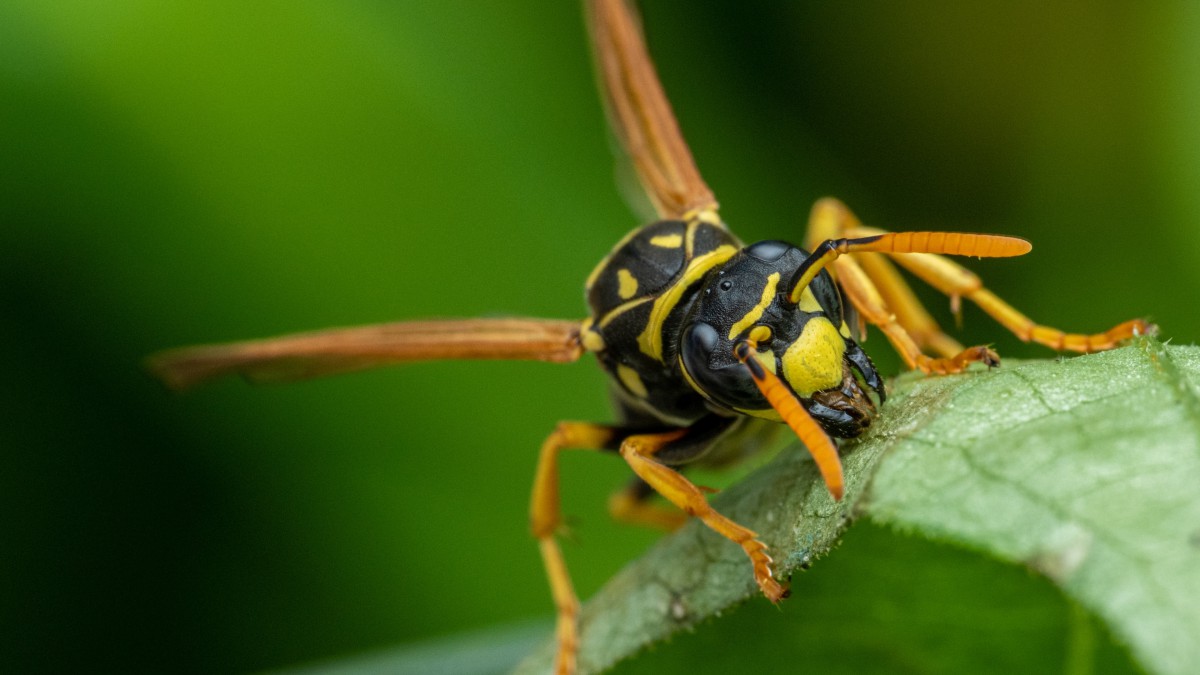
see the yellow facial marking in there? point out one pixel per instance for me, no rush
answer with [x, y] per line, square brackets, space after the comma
[760, 334]
[756, 312]
[808, 302]
[667, 240]
[845, 330]
[814, 361]
[632, 381]
[650, 341]
[767, 359]
[628, 284]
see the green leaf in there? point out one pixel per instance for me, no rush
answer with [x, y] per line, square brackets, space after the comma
[488, 652]
[1086, 470]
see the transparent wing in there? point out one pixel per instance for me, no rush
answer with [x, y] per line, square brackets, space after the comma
[640, 114]
[341, 350]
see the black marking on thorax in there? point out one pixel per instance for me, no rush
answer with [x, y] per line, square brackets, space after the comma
[650, 279]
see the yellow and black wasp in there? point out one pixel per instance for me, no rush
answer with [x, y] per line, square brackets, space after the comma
[706, 340]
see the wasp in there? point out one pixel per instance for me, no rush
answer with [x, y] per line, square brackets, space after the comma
[706, 341]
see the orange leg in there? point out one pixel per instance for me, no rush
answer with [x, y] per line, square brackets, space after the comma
[546, 519]
[883, 298]
[898, 296]
[630, 505]
[639, 452]
[956, 281]
[829, 219]
[862, 292]
[873, 290]
[1024, 327]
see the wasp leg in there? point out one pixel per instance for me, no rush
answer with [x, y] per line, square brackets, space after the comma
[1028, 331]
[831, 219]
[956, 281]
[673, 446]
[910, 312]
[546, 514]
[861, 291]
[632, 505]
[545, 520]
[882, 297]
[639, 452]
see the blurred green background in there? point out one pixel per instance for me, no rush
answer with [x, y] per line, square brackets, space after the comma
[173, 173]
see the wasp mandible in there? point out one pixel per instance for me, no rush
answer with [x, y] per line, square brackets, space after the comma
[705, 340]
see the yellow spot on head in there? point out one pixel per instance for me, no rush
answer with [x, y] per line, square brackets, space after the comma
[760, 334]
[632, 381]
[767, 359]
[755, 313]
[628, 284]
[667, 241]
[814, 361]
[808, 302]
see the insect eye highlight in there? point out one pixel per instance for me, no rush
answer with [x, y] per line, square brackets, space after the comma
[726, 285]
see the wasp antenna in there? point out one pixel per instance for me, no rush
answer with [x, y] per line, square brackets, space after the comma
[946, 243]
[788, 405]
[827, 252]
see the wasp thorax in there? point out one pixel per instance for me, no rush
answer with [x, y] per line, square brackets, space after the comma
[805, 344]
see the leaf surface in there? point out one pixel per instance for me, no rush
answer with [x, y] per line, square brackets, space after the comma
[1085, 469]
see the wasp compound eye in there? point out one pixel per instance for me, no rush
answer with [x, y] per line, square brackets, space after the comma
[768, 251]
[714, 367]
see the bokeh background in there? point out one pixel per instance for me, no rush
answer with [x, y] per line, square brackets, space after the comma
[173, 173]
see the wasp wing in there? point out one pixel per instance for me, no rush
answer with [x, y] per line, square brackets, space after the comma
[342, 350]
[640, 115]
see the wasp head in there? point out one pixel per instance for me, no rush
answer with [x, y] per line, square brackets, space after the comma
[806, 344]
